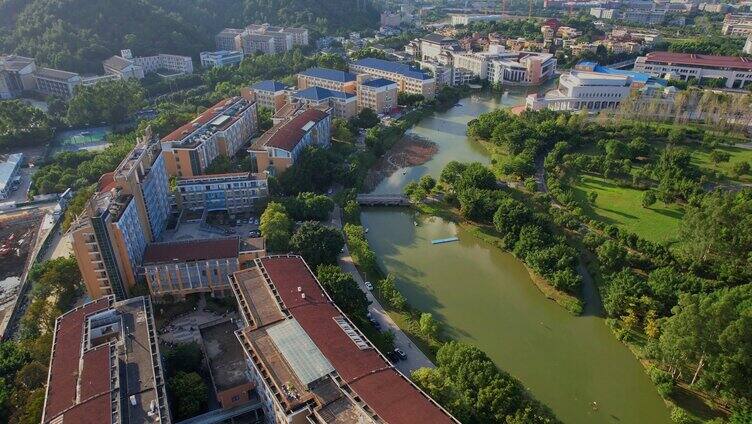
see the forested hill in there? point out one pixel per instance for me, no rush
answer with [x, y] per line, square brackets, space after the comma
[77, 35]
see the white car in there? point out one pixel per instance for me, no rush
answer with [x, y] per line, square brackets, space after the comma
[369, 286]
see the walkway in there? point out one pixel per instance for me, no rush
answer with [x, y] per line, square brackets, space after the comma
[415, 357]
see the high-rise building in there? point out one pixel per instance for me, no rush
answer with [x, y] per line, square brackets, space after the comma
[220, 130]
[105, 366]
[129, 210]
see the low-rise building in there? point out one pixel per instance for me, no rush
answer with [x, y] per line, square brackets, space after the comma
[16, 76]
[235, 193]
[123, 66]
[432, 45]
[737, 71]
[53, 82]
[309, 362]
[738, 24]
[342, 104]
[173, 63]
[378, 94]
[327, 78]
[270, 94]
[250, 43]
[644, 17]
[408, 79]
[9, 178]
[220, 58]
[584, 90]
[220, 130]
[105, 366]
[466, 19]
[568, 32]
[279, 148]
[748, 45]
[602, 13]
[522, 68]
[225, 39]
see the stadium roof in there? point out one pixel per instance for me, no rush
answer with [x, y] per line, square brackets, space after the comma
[329, 74]
[394, 67]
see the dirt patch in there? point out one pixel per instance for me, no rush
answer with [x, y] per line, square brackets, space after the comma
[17, 237]
[410, 150]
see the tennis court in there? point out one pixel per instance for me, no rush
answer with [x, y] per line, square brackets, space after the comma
[88, 139]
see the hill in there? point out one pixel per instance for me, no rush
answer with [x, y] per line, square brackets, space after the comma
[77, 35]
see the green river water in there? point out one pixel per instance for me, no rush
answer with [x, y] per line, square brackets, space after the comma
[484, 296]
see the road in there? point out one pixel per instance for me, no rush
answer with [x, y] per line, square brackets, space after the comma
[415, 358]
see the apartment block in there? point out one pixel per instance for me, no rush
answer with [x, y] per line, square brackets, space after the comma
[408, 79]
[105, 366]
[129, 210]
[220, 58]
[220, 130]
[602, 13]
[327, 78]
[270, 94]
[432, 45]
[278, 148]
[737, 71]
[644, 17]
[53, 82]
[738, 25]
[16, 76]
[342, 104]
[466, 19]
[378, 94]
[309, 362]
[170, 62]
[225, 40]
[235, 193]
[250, 43]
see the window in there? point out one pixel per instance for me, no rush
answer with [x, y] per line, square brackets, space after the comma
[235, 398]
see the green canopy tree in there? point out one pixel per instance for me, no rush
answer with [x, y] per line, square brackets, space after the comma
[276, 226]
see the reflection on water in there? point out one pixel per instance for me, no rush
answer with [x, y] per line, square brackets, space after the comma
[485, 296]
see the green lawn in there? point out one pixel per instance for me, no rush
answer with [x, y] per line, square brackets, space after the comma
[701, 158]
[623, 207]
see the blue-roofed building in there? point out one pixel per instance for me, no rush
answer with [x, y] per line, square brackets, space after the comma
[343, 105]
[220, 58]
[331, 79]
[638, 78]
[270, 94]
[409, 79]
[378, 94]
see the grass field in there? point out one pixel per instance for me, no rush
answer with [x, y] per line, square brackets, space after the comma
[701, 158]
[622, 206]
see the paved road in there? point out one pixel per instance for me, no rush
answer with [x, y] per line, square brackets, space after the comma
[415, 358]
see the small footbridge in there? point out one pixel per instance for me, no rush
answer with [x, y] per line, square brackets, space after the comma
[383, 200]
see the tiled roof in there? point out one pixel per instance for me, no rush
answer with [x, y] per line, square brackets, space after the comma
[394, 67]
[329, 74]
[118, 62]
[691, 59]
[55, 74]
[193, 250]
[318, 94]
[269, 85]
[378, 82]
[288, 134]
[390, 394]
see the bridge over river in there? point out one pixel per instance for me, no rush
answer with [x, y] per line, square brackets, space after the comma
[383, 200]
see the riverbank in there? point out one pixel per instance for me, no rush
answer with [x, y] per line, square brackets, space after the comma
[488, 235]
[411, 150]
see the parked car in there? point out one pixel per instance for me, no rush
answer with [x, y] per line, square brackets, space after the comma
[400, 353]
[375, 323]
[392, 357]
[369, 286]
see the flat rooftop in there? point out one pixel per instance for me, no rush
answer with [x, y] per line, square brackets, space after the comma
[191, 250]
[225, 355]
[217, 118]
[701, 60]
[283, 288]
[104, 352]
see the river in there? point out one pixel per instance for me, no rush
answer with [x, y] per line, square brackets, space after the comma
[484, 296]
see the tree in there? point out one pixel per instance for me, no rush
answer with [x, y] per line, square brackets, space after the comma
[648, 198]
[427, 183]
[23, 125]
[719, 156]
[275, 226]
[265, 121]
[592, 197]
[112, 102]
[184, 357]
[32, 376]
[611, 255]
[452, 172]
[477, 175]
[741, 168]
[623, 290]
[367, 118]
[341, 131]
[343, 290]
[509, 218]
[428, 325]
[189, 394]
[317, 244]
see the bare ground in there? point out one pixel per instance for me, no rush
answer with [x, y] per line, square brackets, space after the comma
[410, 150]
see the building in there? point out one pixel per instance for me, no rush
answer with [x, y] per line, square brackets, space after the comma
[738, 25]
[53, 82]
[378, 94]
[250, 43]
[235, 193]
[270, 94]
[309, 362]
[9, 178]
[123, 66]
[129, 210]
[521, 68]
[220, 130]
[279, 148]
[16, 76]
[737, 71]
[284, 37]
[585, 90]
[568, 32]
[227, 365]
[466, 19]
[225, 40]
[748, 45]
[389, 19]
[105, 366]
[433, 45]
[342, 104]
[408, 79]
[179, 268]
[220, 58]
[644, 17]
[327, 78]
[173, 63]
[602, 13]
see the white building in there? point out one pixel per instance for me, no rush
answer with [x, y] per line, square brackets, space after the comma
[602, 13]
[123, 66]
[522, 68]
[737, 71]
[748, 45]
[220, 58]
[170, 62]
[578, 90]
[464, 19]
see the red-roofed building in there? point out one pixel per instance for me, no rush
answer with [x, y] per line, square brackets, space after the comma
[309, 362]
[220, 130]
[737, 71]
[280, 147]
[105, 366]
